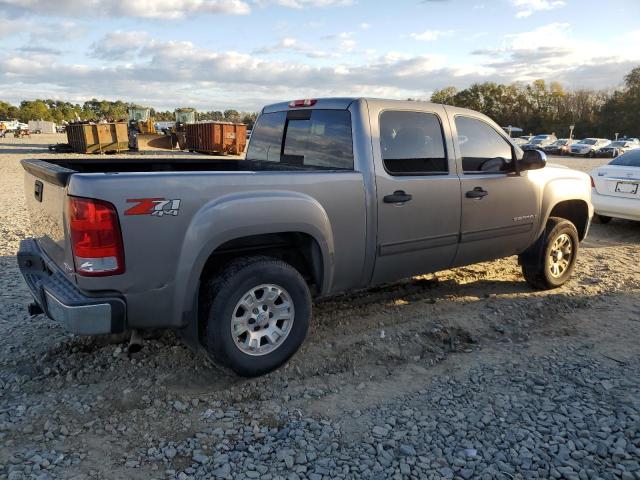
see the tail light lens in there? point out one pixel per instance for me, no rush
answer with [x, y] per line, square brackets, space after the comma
[96, 239]
[593, 183]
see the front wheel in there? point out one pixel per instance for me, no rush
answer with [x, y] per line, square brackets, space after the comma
[549, 262]
[258, 315]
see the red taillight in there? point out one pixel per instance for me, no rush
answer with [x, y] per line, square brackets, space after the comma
[303, 103]
[96, 239]
[593, 184]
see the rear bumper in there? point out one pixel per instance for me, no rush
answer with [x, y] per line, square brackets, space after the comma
[62, 301]
[617, 207]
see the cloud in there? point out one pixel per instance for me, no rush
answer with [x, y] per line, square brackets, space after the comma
[157, 9]
[119, 45]
[300, 4]
[552, 52]
[143, 69]
[346, 43]
[526, 8]
[431, 35]
[213, 78]
[293, 45]
[39, 49]
[284, 44]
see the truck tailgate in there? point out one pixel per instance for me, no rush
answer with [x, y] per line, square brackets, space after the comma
[45, 195]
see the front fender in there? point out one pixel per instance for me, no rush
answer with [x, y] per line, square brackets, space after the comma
[573, 186]
[244, 214]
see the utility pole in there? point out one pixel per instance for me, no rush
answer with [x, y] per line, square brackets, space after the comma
[571, 127]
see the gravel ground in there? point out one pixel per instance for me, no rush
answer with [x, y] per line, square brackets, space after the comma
[464, 374]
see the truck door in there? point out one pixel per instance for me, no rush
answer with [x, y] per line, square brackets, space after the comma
[418, 191]
[499, 207]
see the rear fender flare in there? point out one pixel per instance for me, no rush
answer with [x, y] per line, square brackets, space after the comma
[244, 214]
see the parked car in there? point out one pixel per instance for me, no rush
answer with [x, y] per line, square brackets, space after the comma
[559, 147]
[334, 194]
[617, 148]
[615, 188]
[540, 141]
[522, 140]
[588, 147]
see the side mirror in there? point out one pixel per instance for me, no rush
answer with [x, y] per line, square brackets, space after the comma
[532, 160]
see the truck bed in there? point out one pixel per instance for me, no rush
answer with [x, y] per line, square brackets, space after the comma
[58, 170]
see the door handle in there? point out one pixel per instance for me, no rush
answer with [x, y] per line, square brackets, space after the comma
[477, 193]
[399, 196]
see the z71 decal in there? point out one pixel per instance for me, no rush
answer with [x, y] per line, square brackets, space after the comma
[157, 207]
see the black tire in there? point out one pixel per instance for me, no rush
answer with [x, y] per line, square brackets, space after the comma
[536, 261]
[224, 294]
[603, 219]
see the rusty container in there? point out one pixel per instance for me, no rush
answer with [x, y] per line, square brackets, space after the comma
[219, 138]
[98, 138]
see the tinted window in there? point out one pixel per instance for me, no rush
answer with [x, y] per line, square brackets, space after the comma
[324, 140]
[482, 148]
[629, 159]
[266, 138]
[412, 142]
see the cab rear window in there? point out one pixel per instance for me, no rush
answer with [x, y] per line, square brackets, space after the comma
[310, 139]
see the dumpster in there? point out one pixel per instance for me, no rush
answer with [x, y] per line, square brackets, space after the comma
[216, 137]
[98, 138]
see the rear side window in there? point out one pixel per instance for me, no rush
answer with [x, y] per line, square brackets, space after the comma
[629, 159]
[304, 138]
[412, 143]
[482, 148]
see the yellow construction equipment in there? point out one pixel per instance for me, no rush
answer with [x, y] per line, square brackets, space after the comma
[142, 131]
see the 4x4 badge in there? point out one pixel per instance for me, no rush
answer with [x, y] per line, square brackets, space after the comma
[157, 207]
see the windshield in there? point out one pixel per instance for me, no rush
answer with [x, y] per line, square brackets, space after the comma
[560, 142]
[588, 141]
[619, 144]
[629, 159]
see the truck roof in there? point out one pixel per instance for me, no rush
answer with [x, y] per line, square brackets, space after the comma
[343, 103]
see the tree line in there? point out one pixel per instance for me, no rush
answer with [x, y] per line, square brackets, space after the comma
[95, 110]
[541, 107]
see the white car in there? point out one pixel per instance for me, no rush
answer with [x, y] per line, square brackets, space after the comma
[616, 188]
[588, 146]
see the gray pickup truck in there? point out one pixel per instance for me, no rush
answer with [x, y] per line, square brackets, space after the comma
[334, 194]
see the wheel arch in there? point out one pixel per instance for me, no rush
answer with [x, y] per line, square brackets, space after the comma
[576, 211]
[253, 223]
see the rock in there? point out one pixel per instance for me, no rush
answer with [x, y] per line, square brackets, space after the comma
[380, 431]
[407, 450]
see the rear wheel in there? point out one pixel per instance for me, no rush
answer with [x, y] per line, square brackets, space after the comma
[549, 262]
[258, 315]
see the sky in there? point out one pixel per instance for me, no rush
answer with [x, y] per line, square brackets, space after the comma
[243, 54]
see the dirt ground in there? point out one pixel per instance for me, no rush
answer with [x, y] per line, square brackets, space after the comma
[84, 408]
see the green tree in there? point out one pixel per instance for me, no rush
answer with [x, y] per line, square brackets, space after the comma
[445, 96]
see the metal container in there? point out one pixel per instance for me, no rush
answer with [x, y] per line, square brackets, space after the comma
[216, 137]
[42, 126]
[98, 138]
